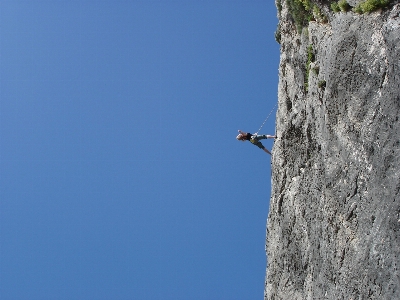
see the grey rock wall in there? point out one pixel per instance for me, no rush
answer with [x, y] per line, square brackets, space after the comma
[333, 229]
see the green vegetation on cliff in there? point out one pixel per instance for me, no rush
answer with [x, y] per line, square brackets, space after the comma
[310, 59]
[343, 5]
[302, 12]
[365, 7]
[370, 5]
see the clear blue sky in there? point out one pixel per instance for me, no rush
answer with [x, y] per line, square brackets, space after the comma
[120, 174]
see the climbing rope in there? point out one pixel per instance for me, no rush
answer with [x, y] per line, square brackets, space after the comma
[266, 119]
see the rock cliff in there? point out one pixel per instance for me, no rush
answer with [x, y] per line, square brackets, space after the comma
[333, 229]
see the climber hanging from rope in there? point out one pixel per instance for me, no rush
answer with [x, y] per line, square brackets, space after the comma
[254, 139]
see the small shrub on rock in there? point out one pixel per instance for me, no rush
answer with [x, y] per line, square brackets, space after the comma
[369, 6]
[318, 15]
[335, 7]
[343, 5]
[322, 84]
[299, 13]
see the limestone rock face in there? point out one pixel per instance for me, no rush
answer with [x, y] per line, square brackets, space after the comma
[333, 229]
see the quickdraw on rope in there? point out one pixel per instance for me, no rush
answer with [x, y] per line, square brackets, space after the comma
[266, 119]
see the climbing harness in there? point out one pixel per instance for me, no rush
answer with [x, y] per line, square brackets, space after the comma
[265, 120]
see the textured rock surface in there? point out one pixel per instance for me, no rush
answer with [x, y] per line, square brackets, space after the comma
[334, 224]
